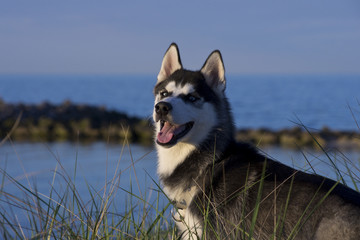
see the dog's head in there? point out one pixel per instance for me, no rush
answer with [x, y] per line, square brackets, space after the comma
[187, 102]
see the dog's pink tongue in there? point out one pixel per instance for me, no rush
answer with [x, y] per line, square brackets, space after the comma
[166, 133]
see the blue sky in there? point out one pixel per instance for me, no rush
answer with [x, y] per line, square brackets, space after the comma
[121, 37]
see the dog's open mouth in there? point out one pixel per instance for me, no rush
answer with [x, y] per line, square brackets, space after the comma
[170, 133]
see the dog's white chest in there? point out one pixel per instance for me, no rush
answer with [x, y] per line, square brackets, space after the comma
[188, 224]
[170, 158]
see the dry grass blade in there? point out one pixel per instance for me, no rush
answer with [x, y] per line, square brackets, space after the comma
[16, 124]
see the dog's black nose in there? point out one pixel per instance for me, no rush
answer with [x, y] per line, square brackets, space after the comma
[163, 108]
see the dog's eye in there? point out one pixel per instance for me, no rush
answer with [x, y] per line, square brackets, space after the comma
[164, 93]
[192, 98]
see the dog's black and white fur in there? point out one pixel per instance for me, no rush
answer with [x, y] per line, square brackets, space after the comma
[223, 189]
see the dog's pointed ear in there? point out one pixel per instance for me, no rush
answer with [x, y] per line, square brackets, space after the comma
[214, 71]
[171, 62]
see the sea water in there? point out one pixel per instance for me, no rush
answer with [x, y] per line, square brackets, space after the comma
[258, 101]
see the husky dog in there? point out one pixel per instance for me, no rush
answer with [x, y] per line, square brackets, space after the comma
[223, 189]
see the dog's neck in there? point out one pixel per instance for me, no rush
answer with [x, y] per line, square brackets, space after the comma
[170, 158]
[182, 166]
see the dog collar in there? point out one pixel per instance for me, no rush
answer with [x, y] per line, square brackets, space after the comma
[176, 215]
[182, 204]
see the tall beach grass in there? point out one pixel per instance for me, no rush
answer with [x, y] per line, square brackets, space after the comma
[65, 213]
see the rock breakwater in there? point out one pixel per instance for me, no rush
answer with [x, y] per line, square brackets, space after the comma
[77, 122]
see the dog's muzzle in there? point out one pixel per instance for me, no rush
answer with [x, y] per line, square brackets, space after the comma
[169, 132]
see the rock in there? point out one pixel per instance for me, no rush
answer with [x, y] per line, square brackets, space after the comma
[79, 122]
